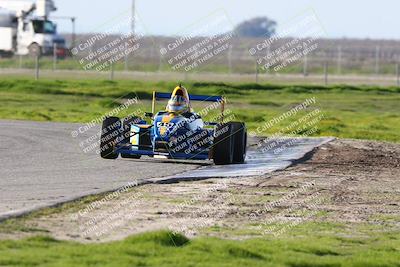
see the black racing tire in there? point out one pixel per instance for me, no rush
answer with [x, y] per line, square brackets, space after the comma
[240, 147]
[223, 146]
[35, 50]
[126, 129]
[110, 131]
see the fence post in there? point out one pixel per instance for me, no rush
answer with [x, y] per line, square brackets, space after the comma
[20, 61]
[305, 66]
[126, 62]
[339, 60]
[54, 57]
[112, 72]
[37, 67]
[160, 63]
[230, 59]
[377, 53]
[398, 74]
[256, 71]
[326, 72]
[267, 61]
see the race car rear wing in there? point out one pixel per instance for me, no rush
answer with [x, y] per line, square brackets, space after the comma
[207, 98]
[158, 95]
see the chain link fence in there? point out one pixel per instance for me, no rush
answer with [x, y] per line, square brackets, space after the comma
[333, 58]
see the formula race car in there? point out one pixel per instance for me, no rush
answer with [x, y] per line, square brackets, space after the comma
[176, 133]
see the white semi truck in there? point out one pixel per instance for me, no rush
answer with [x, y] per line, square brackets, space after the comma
[25, 29]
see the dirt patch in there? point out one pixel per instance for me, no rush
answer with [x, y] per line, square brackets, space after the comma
[346, 181]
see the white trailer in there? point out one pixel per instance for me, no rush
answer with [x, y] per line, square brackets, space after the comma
[7, 40]
[22, 32]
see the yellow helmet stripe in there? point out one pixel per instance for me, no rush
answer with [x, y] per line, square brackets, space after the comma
[167, 118]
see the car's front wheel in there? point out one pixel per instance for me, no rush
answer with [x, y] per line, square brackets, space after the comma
[110, 132]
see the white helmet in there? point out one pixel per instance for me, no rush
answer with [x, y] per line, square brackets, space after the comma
[179, 102]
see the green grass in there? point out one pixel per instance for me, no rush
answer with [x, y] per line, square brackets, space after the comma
[317, 248]
[350, 112]
[307, 244]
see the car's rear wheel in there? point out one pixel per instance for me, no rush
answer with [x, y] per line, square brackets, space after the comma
[126, 131]
[240, 135]
[223, 147]
[110, 131]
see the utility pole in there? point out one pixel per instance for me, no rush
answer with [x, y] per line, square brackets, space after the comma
[133, 17]
[132, 33]
[73, 19]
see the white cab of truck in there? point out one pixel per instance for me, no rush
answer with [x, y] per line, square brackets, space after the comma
[38, 35]
[23, 33]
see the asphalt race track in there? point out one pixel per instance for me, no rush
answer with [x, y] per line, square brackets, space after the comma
[42, 164]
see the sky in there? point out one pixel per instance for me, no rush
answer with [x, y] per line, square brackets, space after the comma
[340, 18]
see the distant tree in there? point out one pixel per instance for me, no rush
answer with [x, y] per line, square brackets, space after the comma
[256, 27]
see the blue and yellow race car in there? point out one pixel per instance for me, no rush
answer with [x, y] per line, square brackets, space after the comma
[176, 133]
